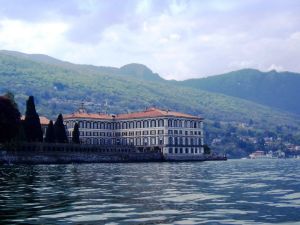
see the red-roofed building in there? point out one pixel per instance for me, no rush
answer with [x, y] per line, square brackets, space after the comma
[171, 132]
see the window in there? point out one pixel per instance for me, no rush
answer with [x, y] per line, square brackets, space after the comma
[145, 124]
[186, 132]
[170, 132]
[186, 150]
[192, 150]
[145, 141]
[180, 150]
[138, 141]
[152, 132]
[175, 123]
[170, 141]
[170, 123]
[161, 123]
[175, 131]
[170, 150]
[145, 132]
[176, 151]
[138, 124]
[153, 123]
[161, 140]
[153, 141]
[131, 125]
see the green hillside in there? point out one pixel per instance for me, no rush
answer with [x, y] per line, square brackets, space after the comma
[275, 89]
[60, 87]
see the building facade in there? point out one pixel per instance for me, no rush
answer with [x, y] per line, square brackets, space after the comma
[169, 132]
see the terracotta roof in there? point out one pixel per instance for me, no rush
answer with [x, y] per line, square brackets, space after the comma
[44, 120]
[88, 115]
[148, 113]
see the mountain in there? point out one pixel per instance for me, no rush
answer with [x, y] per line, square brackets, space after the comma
[139, 71]
[60, 87]
[275, 89]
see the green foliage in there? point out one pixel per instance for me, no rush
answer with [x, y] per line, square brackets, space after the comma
[274, 89]
[9, 119]
[32, 125]
[50, 134]
[207, 149]
[60, 130]
[60, 87]
[75, 134]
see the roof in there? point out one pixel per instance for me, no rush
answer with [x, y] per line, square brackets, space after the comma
[148, 113]
[43, 120]
[88, 115]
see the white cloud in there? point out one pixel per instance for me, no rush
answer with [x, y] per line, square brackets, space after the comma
[179, 40]
[32, 37]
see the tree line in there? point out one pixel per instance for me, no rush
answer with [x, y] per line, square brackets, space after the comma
[13, 129]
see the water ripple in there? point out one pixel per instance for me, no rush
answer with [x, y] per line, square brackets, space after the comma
[231, 192]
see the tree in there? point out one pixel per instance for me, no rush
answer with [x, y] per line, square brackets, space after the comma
[60, 130]
[32, 125]
[50, 135]
[10, 119]
[207, 150]
[75, 134]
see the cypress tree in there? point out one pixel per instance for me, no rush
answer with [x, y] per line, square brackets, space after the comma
[60, 130]
[32, 125]
[9, 119]
[50, 136]
[75, 134]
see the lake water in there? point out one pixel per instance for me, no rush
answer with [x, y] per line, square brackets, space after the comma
[225, 192]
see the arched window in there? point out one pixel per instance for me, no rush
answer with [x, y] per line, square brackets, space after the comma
[131, 125]
[195, 125]
[185, 123]
[170, 123]
[124, 125]
[145, 124]
[192, 141]
[80, 124]
[161, 123]
[180, 123]
[153, 123]
[95, 125]
[102, 125]
[138, 124]
[108, 125]
[88, 125]
[175, 123]
[117, 125]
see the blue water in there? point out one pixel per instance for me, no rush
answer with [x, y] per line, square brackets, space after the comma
[229, 192]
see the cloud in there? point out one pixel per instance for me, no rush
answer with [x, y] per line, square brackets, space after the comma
[178, 39]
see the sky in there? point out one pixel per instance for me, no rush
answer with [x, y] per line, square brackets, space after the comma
[177, 39]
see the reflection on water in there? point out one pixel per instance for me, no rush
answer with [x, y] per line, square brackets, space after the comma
[230, 192]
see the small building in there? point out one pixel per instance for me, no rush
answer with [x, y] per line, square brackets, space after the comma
[167, 131]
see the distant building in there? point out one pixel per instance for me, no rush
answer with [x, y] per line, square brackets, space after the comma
[170, 132]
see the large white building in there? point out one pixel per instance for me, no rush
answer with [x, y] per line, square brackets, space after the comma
[167, 131]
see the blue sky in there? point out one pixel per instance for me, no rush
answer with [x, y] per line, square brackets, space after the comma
[177, 39]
